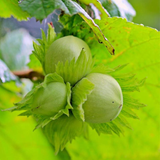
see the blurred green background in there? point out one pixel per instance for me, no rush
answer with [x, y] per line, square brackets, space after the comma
[17, 139]
[147, 12]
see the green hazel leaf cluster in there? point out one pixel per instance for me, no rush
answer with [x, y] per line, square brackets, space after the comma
[76, 94]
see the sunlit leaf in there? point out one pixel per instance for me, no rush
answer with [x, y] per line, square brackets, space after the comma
[11, 8]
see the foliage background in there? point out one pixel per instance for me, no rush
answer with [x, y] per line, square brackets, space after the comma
[17, 139]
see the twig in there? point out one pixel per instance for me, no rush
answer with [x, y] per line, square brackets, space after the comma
[30, 74]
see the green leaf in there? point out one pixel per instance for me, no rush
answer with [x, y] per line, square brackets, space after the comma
[129, 82]
[122, 121]
[34, 63]
[64, 155]
[131, 102]
[107, 128]
[52, 77]
[5, 74]
[115, 128]
[121, 8]
[102, 69]
[15, 49]
[11, 8]
[136, 45]
[55, 20]
[129, 113]
[132, 40]
[41, 48]
[73, 71]
[79, 96]
[79, 28]
[63, 130]
[101, 128]
[44, 8]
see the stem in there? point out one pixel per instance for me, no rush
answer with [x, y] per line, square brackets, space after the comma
[30, 74]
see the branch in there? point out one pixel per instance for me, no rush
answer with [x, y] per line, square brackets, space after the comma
[30, 74]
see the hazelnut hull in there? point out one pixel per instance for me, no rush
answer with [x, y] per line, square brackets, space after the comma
[49, 100]
[105, 101]
[64, 49]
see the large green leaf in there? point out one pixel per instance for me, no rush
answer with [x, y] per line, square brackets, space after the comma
[11, 8]
[45, 7]
[135, 44]
[139, 47]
